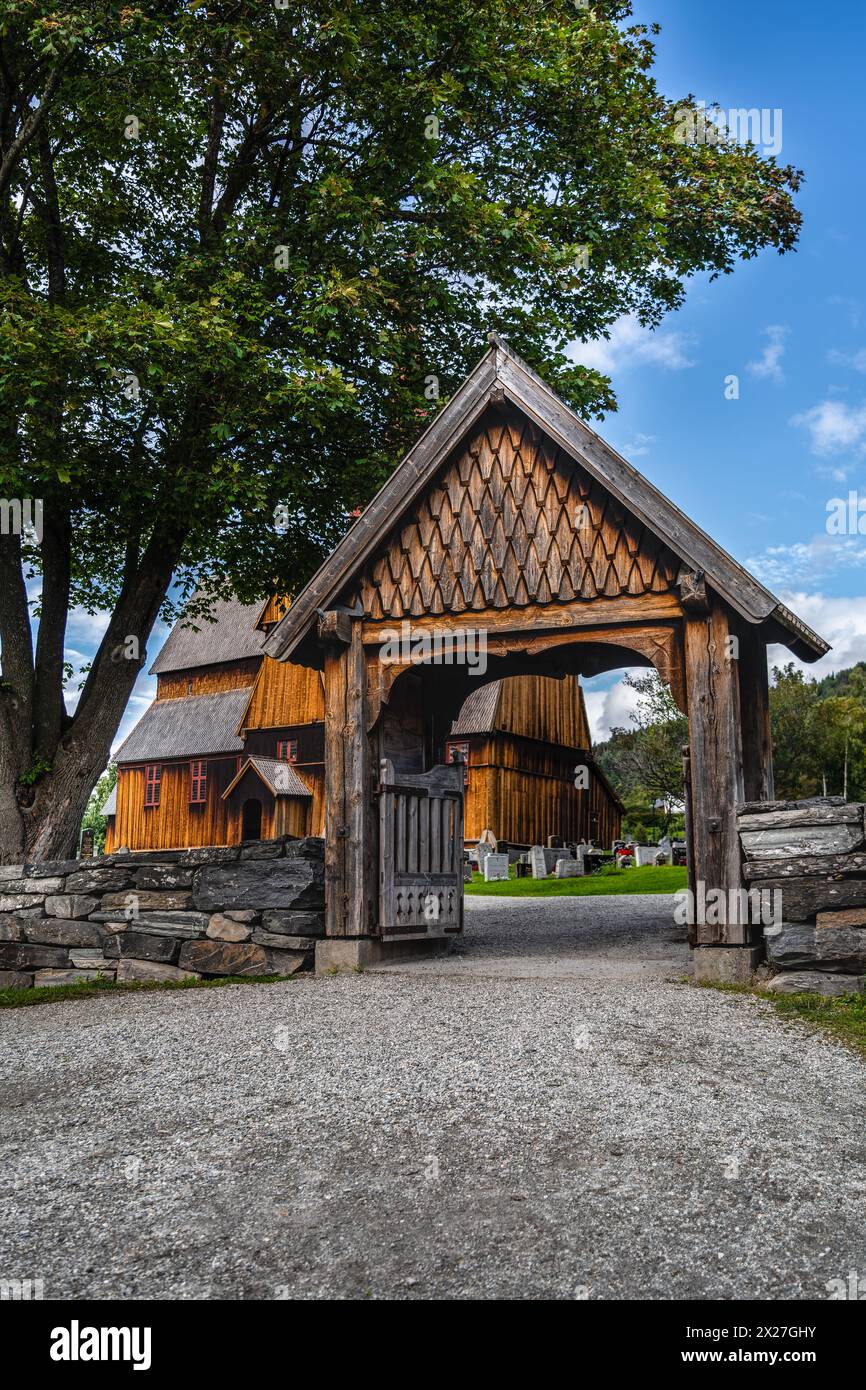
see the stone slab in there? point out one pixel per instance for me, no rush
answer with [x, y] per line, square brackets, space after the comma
[63, 977]
[816, 982]
[725, 965]
[224, 958]
[294, 923]
[151, 970]
[288, 882]
[339, 955]
[70, 905]
[54, 931]
[221, 927]
[15, 979]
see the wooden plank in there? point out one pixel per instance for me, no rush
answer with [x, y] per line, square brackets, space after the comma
[335, 845]
[715, 762]
[805, 866]
[361, 853]
[755, 715]
[350, 829]
[400, 842]
[689, 835]
[424, 836]
[412, 864]
[386, 844]
[599, 612]
[848, 813]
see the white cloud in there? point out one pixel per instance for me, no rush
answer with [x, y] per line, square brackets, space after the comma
[785, 565]
[855, 360]
[632, 345]
[840, 621]
[768, 364]
[638, 446]
[609, 708]
[833, 427]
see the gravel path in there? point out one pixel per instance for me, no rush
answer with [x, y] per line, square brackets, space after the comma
[551, 1114]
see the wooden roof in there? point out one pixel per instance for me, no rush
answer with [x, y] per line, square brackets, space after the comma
[277, 775]
[503, 376]
[548, 708]
[230, 635]
[195, 726]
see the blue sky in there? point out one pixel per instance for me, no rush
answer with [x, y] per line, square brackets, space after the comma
[756, 472]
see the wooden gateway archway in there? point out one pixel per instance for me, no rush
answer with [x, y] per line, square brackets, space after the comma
[512, 525]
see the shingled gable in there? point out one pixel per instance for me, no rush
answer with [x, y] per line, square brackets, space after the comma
[277, 775]
[503, 376]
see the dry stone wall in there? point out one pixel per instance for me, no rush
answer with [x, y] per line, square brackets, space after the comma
[813, 853]
[251, 909]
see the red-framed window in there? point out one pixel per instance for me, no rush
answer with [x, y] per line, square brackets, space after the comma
[458, 751]
[152, 779]
[198, 781]
[287, 750]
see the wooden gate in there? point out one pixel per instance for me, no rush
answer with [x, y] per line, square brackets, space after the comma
[420, 852]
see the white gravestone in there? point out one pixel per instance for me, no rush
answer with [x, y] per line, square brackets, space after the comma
[538, 862]
[645, 854]
[495, 867]
[569, 868]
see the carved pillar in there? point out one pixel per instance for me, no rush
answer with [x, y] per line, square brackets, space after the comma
[755, 714]
[716, 759]
[350, 822]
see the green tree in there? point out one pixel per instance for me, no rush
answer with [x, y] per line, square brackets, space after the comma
[93, 818]
[242, 251]
[645, 763]
[794, 702]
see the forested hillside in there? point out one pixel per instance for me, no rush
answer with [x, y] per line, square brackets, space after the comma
[819, 745]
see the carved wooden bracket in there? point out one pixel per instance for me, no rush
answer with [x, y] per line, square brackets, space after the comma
[693, 591]
[336, 626]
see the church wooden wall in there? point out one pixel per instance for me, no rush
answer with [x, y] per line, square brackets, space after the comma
[544, 708]
[207, 680]
[285, 694]
[524, 792]
[174, 823]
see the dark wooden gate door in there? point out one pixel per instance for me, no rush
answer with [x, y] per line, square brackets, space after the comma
[420, 852]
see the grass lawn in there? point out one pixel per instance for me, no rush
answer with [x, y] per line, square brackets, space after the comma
[843, 1016]
[649, 878]
[52, 994]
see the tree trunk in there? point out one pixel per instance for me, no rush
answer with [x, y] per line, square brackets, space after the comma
[41, 820]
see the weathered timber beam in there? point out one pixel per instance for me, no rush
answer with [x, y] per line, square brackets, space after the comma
[642, 610]
[716, 763]
[336, 626]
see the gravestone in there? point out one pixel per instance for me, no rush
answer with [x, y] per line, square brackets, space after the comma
[482, 852]
[495, 867]
[645, 854]
[569, 868]
[538, 862]
[551, 856]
